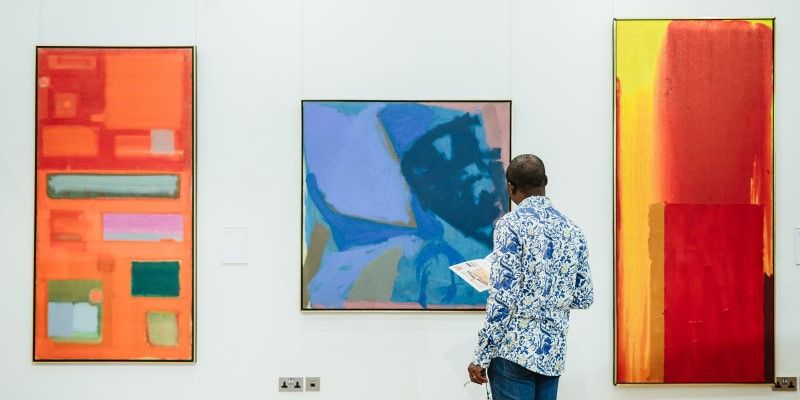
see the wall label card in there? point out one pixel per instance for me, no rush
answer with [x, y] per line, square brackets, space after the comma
[234, 245]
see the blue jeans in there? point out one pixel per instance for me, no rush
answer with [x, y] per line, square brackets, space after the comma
[511, 381]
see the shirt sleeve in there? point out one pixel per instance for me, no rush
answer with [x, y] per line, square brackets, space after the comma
[506, 264]
[583, 296]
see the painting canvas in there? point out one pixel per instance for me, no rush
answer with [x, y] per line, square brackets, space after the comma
[114, 245]
[694, 201]
[394, 193]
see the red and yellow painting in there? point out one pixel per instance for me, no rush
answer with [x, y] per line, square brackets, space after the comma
[114, 252]
[694, 201]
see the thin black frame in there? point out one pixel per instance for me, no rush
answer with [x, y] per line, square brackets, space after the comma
[303, 307]
[614, 203]
[193, 358]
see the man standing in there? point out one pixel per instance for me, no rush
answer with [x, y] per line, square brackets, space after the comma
[539, 272]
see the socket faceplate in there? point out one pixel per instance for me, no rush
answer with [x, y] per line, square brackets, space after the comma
[785, 384]
[312, 384]
[290, 384]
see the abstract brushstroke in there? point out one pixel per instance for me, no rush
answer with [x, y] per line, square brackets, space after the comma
[89, 186]
[70, 140]
[339, 270]
[68, 227]
[156, 143]
[369, 186]
[162, 141]
[694, 201]
[376, 281]
[319, 239]
[142, 227]
[404, 189]
[714, 293]
[114, 204]
[155, 279]
[447, 172]
[74, 310]
[162, 328]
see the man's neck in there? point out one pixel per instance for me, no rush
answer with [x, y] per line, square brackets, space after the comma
[535, 192]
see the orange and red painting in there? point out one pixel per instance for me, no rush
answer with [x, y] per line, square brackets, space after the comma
[114, 252]
[694, 201]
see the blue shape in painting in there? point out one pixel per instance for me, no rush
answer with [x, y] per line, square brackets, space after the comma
[405, 123]
[85, 317]
[403, 175]
[353, 167]
[454, 181]
[350, 231]
[59, 320]
[340, 269]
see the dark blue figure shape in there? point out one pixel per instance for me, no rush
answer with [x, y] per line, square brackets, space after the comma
[436, 280]
[452, 176]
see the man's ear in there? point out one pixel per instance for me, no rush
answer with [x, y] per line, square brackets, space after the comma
[544, 181]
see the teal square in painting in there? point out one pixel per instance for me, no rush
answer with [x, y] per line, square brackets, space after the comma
[155, 279]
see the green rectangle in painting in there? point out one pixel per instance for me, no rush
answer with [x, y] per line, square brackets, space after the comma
[162, 328]
[83, 186]
[72, 290]
[155, 279]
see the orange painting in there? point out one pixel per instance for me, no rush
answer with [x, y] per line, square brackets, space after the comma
[114, 264]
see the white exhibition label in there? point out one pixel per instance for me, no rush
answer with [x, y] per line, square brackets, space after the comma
[234, 245]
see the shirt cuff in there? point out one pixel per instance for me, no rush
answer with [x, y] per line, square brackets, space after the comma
[483, 356]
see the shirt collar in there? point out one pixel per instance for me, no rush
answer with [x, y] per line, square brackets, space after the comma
[536, 202]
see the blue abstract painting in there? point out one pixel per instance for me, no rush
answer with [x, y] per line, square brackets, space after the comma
[396, 192]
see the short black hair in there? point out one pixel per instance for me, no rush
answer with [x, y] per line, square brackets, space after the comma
[526, 171]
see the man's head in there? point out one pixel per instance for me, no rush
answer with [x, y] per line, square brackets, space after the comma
[525, 177]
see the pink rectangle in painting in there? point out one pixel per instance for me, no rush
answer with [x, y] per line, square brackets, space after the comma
[142, 227]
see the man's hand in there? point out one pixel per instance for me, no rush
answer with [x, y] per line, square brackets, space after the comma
[477, 374]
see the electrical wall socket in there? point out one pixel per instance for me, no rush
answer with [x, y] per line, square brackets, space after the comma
[312, 384]
[785, 384]
[290, 384]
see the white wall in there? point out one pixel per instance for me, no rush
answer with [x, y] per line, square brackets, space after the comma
[256, 60]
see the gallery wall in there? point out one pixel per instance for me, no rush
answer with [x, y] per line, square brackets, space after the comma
[256, 60]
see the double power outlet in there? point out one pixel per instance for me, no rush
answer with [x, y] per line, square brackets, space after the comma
[298, 384]
[785, 384]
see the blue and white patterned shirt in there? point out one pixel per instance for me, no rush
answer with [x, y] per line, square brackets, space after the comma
[539, 272]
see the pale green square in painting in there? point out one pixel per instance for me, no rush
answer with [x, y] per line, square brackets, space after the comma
[162, 328]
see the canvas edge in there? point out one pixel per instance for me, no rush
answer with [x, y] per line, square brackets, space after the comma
[615, 379]
[193, 351]
[309, 310]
